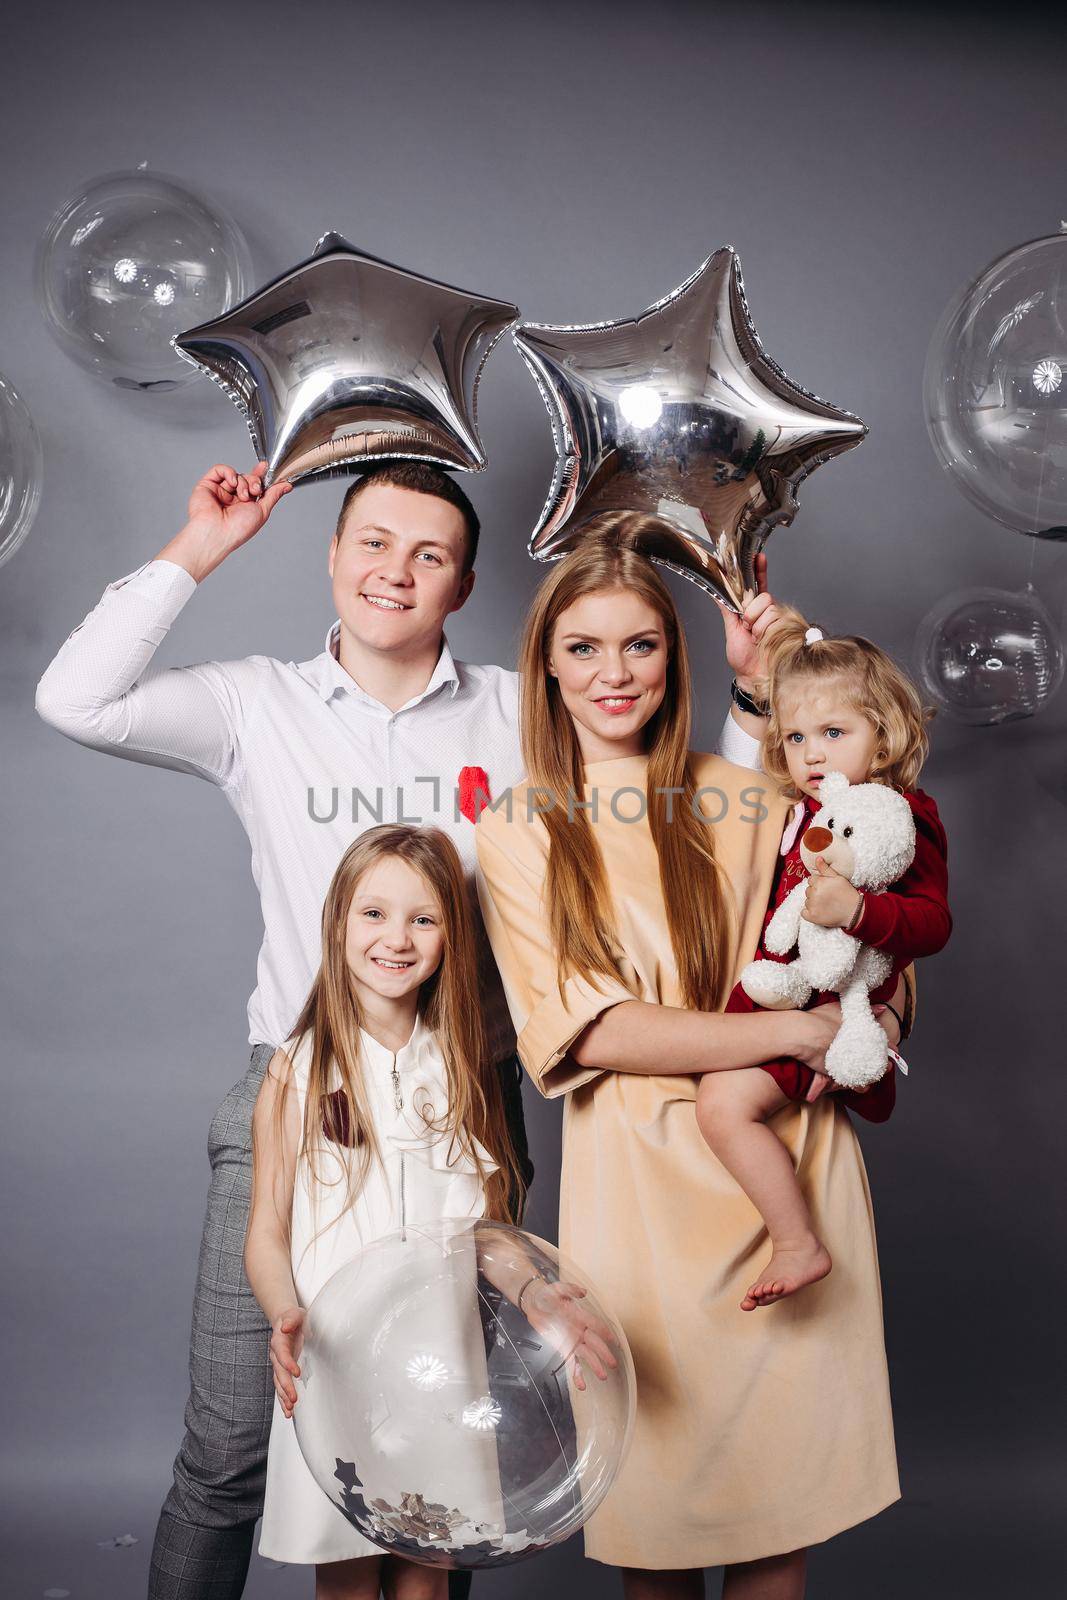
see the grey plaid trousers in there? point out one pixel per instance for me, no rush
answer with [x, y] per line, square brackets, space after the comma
[204, 1538]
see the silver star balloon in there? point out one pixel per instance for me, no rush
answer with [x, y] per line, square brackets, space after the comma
[680, 414]
[346, 359]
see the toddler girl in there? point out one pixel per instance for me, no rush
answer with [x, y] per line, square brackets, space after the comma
[380, 1110]
[836, 705]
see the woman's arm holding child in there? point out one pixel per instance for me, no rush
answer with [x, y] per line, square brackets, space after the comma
[268, 1265]
[642, 1037]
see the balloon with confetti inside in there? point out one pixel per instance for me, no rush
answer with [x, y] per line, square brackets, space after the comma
[446, 1423]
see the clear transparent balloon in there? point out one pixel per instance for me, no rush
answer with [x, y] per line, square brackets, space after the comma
[445, 1425]
[989, 655]
[995, 389]
[20, 470]
[126, 264]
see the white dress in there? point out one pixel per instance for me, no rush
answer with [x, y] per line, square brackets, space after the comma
[413, 1183]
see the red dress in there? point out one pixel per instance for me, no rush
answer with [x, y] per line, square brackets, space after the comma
[909, 920]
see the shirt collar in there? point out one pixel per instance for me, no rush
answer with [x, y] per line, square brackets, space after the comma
[328, 676]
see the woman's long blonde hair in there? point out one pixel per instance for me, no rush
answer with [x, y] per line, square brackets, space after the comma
[694, 891]
[449, 1008]
[877, 688]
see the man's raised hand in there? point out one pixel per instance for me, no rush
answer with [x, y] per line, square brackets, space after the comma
[226, 509]
[235, 501]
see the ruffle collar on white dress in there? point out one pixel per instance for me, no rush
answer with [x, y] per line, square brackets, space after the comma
[421, 1126]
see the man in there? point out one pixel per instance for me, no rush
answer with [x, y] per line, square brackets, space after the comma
[383, 725]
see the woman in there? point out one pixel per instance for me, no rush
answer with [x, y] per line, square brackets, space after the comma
[623, 888]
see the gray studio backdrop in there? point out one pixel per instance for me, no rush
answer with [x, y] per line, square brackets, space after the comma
[580, 160]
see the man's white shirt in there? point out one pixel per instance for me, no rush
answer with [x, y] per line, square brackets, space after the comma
[307, 759]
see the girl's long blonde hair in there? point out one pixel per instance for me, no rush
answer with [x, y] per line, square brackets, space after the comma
[694, 890]
[337, 1108]
[877, 688]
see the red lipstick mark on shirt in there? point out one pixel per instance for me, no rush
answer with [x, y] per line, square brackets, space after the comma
[473, 792]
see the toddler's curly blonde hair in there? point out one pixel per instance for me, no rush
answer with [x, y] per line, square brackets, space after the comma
[875, 686]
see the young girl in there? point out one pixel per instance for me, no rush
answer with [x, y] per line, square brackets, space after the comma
[836, 705]
[379, 1109]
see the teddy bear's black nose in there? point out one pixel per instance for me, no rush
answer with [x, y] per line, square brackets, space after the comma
[817, 840]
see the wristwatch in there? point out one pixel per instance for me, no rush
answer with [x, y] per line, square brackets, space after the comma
[745, 702]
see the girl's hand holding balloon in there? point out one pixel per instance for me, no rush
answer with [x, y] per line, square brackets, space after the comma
[286, 1343]
[555, 1312]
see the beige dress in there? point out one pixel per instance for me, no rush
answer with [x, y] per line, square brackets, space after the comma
[757, 1433]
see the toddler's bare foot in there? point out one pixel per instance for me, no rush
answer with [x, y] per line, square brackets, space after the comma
[790, 1268]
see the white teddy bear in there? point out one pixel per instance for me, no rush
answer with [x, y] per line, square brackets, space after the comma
[867, 833]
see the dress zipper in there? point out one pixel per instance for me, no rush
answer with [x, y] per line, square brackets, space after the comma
[398, 1106]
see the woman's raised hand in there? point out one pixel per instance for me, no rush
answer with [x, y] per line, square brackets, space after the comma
[747, 634]
[225, 510]
[556, 1312]
[286, 1343]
